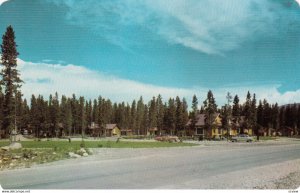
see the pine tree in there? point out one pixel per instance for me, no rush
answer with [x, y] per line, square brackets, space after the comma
[247, 111]
[140, 115]
[253, 118]
[160, 113]
[227, 114]
[2, 131]
[89, 112]
[275, 118]
[153, 113]
[133, 117]
[185, 114]
[10, 78]
[171, 116]
[82, 115]
[210, 108]
[178, 116]
[236, 112]
[260, 115]
[194, 112]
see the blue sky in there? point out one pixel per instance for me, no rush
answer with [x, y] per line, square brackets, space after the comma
[174, 46]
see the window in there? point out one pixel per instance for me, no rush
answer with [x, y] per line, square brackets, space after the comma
[200, 131]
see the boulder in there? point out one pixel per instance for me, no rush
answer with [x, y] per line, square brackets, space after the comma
[5, 148]
[85, 155]
[16, 157]
[15, 145]
[74, 155]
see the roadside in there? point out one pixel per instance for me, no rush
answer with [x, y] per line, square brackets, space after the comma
[232, 166]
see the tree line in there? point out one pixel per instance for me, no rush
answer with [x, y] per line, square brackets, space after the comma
[74, 115]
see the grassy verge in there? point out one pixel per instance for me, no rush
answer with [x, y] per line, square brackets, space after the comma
[95, 144]
[264, 138]
[38, 152]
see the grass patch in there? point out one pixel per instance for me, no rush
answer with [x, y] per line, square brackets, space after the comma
[65, 145]
[264, 138]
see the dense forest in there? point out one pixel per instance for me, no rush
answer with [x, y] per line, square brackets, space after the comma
[74, 115]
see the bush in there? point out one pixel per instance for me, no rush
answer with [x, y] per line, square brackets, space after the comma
[99, 145]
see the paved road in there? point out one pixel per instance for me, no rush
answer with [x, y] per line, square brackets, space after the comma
[150, 168]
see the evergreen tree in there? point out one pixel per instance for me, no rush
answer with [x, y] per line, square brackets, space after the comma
[247, 112]
[66, 114]
[153, 113]
[160, 113]
[140, 115]
[275, 118]
[2, 131]
[54, 114]
[210, 108]
[227, 114]
[171, 116]
[236, 112]
[10, 78]
[89, 112]
[133, 117]
[179, 125]
[253, 119]
[145, 119]
[185, 114]
[82, 117]
[194, 112]
[260, 115]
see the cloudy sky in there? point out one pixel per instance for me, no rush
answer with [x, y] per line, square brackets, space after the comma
[126, 48]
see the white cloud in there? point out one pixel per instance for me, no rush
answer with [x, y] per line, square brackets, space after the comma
[298, 1]
[2, 1]
[44, 79]
[208, 26]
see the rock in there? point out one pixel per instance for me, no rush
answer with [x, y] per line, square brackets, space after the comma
[15, 145]
[54, 153]
[74, 155]
[82, 150]
[5, 148]
[85, 155]
[16, 157]
[6, 158]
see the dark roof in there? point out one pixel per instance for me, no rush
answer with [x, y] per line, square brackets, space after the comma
[153, 129]
[201, 118]
[110, 126]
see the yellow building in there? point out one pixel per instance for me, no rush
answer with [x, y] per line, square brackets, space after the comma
[112, 130]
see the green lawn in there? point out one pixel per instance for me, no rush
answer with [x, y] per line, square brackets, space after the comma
[267, 138]
[95, 144]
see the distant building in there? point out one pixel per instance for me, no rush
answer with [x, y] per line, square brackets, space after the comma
[112, 130]
[203, 131]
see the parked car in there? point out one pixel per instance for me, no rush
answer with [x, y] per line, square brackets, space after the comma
[242, 137]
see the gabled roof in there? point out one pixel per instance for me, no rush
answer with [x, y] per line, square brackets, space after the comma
[201, 119]
[110, 126]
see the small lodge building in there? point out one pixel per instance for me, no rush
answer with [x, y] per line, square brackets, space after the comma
[201, 129]
[95, 130]
[217, 131]
[112, 130]
[152, 131]
[126, 132]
